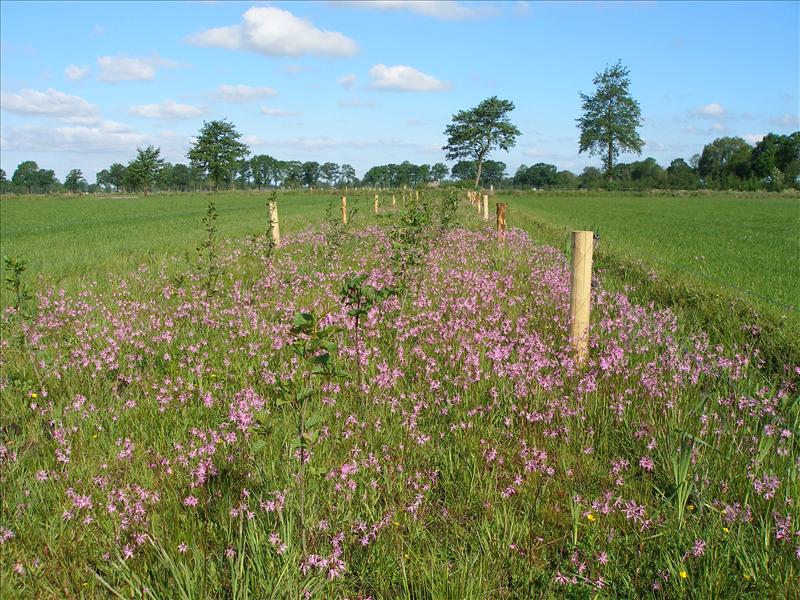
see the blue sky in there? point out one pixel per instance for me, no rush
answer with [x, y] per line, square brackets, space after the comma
[365, 83]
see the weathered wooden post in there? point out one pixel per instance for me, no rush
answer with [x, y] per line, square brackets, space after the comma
[344, 210]
[580, 293]
[394, 201]
[274, 227]
[376, 204]
[485, 207]
[501, 220]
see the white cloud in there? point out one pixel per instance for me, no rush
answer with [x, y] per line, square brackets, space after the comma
[786, 120]
[166, 110]
[347, 81]
[278, 112]
[753, 138]
[253, 140]
[124, 68]
[710, 111]
[446, 10]
[103, 137]
[50, 103]
[76, 73]
[403, 78]
[356, 103]
[276, 32]
[244, 93]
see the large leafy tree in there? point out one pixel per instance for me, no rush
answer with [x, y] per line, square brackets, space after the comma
[347, 175]
[217, 150]
[116, 175]
[474, 133]
[724, 160]
[26, 175]
[311, 173]
[46, 179]
[329, 173]
[144, 169]
[610, 118]
[74, 181]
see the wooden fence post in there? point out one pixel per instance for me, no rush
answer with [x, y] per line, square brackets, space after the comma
[580, 293]
[394, 201]
[485, 207]
[501, 220]
[376, 204]
[274, 227]
[344, 210]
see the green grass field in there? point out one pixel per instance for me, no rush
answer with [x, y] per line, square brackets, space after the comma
[69, 239]
[741, 244]
[737, 243]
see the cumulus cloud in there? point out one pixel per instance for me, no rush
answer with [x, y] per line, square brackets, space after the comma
[166, 110]
[123, 68]
[276, 32]
[76, 72]
[445, 10]
[278, 112]
[402, 78]
[50, 103]
[347, 81]
[753, 138]
[786, 120]
[710, 111]
[244, 93]
[102, 136]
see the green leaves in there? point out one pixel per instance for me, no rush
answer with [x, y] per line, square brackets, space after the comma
[610, 117]
[474, 133]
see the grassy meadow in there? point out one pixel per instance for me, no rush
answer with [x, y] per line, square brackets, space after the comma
[388, 409]
[70, 239]
[743, 243]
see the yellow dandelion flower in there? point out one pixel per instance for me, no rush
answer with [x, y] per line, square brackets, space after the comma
[726, 530]
[690, 507]
[591, 517]
[34, 395]
[683, 574]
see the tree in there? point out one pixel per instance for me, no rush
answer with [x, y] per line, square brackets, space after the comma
[181, 177]
[610, 118]
[74, 180]
[26, 175]
[260, 169]
[464, 170]
[347, 175]
[103, 179]
[217, 150]
[539, 175]
[3, 181]
[46, 179]
[439, 171]
[723, 160]
[144, 169]
[310, 173]
[476, 132]
[681, 176]
[329, 173]
[116, 175]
